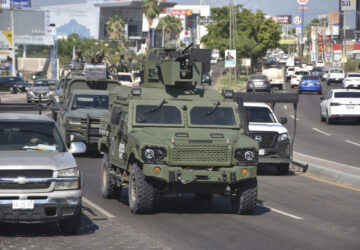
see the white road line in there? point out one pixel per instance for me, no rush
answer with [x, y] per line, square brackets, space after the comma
[101, 210]
[322, 132]
[285, 106]
[320, 159]
[280, 212]
[293, 117]
[354, 143]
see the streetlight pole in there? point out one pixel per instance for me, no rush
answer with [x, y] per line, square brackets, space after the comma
[13, 42]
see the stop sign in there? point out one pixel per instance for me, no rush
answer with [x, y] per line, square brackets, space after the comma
[297, 20]
[302, 2]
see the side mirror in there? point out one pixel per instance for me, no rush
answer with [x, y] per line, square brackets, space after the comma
[322, 98]
[283, 120]
[77, 148]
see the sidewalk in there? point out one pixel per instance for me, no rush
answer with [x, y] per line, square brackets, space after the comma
[328, 170]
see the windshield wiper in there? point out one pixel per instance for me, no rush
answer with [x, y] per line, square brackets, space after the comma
[213, 110]
[142, 117]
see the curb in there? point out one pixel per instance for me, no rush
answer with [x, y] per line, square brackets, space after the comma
[328, 174]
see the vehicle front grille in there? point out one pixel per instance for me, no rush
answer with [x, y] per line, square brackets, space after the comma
[268, 139]
[200, 153]
[36, 185]
[93, 131]
[33, 173]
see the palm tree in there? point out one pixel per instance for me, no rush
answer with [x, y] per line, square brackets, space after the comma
[151, 9]
[115, 27]
[169, 25]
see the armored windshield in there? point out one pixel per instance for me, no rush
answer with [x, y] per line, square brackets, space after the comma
[260, 114]
[158, 115]
[126, 78]
[90, 101]
[221, 116]
[43, 83]
[30, 136]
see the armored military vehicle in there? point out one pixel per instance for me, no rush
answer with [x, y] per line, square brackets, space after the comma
[171, 137]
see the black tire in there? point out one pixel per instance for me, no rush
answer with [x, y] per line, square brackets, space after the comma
[328, 120]
[28, 101]
[322, 119]
[109, 189]
[328, 83]
[204, 196]
[280, 87]
[141, 191]
[243, 197]
[292, 86]
[320, 92]
[299, 92]
[283, 169]
[72, 225]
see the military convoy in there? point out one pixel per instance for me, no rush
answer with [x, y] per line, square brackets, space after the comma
[171, 137]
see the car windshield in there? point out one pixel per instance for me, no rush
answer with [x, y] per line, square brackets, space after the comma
[124, 78]
[258, 77]
[347, 95]
[158, 114]
[45, 83]
[315, 78]
[304, 73]
[30, 136]
[90, 101]
[336, 71]
[260, 114]
[213, 115]
[353, 75]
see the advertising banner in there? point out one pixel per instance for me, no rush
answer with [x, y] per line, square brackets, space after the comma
[334, 18]
[20, 3]
[230, 58]
[284, 19]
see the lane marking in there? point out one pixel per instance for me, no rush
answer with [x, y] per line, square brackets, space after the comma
[327, 161]
[280, 212]
[101, 210]
[354, 143]
[293, 117]
[285, 106]
[328, 182]
[322, 132]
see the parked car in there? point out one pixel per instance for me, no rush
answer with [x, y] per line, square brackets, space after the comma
[340, 104]
[273, 137]
[6, 82]
[352, 80]
[41, 90]
[295, 79]
[40, 180]
[258, 83]
[310, 84]
[335, 75]
[20, 87]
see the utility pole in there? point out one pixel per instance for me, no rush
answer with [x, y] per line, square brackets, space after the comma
[235, 36]
[230, 37]
[13, 42]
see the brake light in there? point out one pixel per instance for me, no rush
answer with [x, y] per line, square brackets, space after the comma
[293, 76]
[335, 104]
[250, 82]
[266, 82]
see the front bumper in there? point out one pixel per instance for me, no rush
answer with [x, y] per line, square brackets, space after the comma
[279, 154]
[47, 207]
[221, 175]
[33, 98]
[89, 140]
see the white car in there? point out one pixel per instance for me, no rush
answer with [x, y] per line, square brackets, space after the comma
[352, 80]
[273, 137]
[289, 73]
[340, 104]
[320, 63]
[128, 79]
[335, 75]
[295, 79]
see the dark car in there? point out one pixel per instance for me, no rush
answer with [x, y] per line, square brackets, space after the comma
[20, 87]
[206, 79]
[258, 83]
[274, 64]
[297, 62]
[6, 82]
[316, 72]
[41, 90]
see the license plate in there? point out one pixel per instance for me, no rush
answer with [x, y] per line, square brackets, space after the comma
[23, 205]
[258, 83]
[261, 151]
[350, 106]
[337, 79]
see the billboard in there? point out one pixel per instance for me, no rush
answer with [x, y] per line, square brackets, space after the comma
[334, 18]
[20, 3]
[230, 58]
[284, 19]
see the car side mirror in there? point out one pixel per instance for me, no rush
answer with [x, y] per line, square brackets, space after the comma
[322, 98]
[77, 148]
[283, 120]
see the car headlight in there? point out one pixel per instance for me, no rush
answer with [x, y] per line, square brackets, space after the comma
[153, 154]
[31, 93]
[246, 155]
[283, 137]
[72, 173]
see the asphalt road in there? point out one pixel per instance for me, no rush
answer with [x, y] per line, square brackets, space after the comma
[293, 212]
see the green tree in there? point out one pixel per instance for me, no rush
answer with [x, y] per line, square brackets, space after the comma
[150, 9]
[170, 25]
[255, 33]
[115, 27]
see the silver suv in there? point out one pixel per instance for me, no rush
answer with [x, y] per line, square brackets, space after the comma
[39, 178]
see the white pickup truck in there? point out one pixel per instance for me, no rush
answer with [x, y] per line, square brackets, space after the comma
[276, 77]
[128, 79]
[335, 75]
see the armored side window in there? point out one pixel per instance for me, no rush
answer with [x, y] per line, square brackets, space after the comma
[115, 116]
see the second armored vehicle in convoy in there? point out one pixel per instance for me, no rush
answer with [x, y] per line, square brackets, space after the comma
[171, 137]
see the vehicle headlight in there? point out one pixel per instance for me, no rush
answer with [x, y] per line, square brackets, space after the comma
[283, 137]
[73, 173]
[150, 154]
[247, 155]
[31, 93]
[74, 121]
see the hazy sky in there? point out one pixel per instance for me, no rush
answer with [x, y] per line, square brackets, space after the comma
[276, 7]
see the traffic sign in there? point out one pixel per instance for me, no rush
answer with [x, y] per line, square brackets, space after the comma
[302, 2]
[302, 7]
[297, 20]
